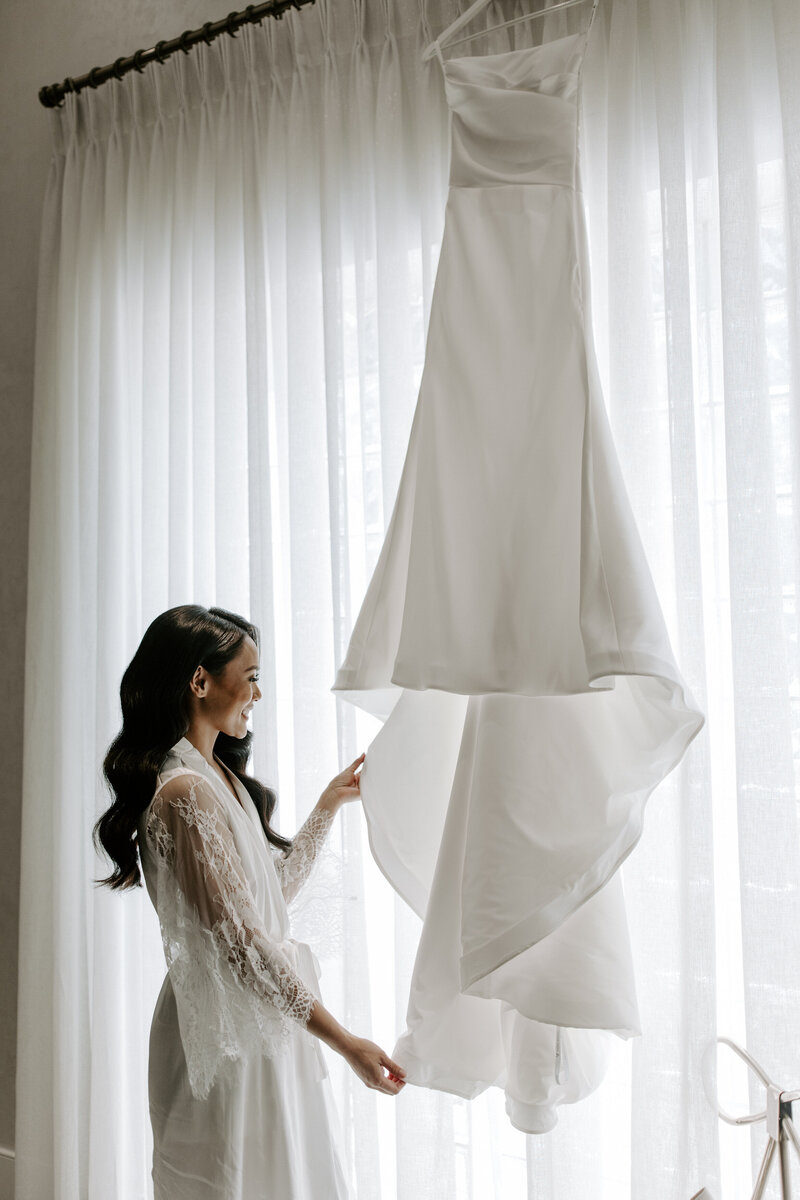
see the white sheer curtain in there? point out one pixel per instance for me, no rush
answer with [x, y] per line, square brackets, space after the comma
[238, 255]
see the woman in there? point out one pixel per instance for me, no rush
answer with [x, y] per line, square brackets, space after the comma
[240, 1100]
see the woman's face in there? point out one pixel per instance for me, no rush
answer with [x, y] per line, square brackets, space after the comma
[229, 697]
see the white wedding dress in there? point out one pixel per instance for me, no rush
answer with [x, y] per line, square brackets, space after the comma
[240, 1098]
[511, 637]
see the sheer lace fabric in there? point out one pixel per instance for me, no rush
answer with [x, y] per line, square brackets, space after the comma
[295, 867]
[235, 989]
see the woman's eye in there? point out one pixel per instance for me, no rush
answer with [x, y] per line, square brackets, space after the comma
[253, 678]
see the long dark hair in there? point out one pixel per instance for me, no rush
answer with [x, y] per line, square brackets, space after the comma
[154, 694]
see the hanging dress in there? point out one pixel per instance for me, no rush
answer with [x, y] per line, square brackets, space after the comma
[241, 1105]
[510, 637]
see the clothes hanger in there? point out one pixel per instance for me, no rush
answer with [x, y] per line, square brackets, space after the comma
[437, 45]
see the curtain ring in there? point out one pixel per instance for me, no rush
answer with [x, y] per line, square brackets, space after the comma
[159, 52]
[93, 82]
[206, 34]
[249, 14]
[231, 24]
[117, 67]
[138, 65]
[183, 41]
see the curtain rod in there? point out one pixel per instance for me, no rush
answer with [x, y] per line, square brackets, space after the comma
[52, 95]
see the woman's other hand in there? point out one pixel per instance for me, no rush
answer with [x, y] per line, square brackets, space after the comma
[365, 1058]
[368, 1062]
[344, 787]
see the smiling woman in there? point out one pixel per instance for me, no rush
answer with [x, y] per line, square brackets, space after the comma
[221, 703]
[240, 1098]
[189, 677]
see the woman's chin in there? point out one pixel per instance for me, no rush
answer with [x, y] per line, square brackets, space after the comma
[238, 729]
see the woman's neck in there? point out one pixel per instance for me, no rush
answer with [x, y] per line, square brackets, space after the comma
[203, 737]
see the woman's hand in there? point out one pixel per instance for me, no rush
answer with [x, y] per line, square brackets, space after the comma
[344, 787]
[368, 1061]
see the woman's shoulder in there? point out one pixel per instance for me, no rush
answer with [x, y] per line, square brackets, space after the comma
[186, 792]
[177, 783]
[181, 759]
[183, 798]
[168, 773]
[172, 785]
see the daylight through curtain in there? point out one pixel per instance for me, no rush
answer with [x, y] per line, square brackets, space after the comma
[238, 254]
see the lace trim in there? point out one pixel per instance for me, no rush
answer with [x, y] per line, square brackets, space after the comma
[317, 908]
[295, 866]
[236, 991]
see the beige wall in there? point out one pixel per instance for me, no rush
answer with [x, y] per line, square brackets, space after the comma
[41, 42]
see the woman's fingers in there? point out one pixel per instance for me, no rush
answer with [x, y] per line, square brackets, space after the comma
[389, 1086]
[396, 1072]
[350, 772]
[347, 784]
[392, 1066]
[368, 1061]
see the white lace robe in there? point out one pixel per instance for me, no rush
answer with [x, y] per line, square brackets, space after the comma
[239, 1096]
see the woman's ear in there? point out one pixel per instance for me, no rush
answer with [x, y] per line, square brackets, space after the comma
[199, 682]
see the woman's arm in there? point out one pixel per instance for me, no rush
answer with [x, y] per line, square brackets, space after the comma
[365, 1057]
[295, 867]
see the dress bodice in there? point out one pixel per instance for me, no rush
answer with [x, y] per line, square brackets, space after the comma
[514, 115]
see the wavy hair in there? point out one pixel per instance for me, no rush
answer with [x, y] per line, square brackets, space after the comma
[154, 694]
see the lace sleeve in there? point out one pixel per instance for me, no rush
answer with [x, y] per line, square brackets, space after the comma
[295, 867]
[235, 989]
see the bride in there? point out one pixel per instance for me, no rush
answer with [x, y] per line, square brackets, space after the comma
[240, 1100]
